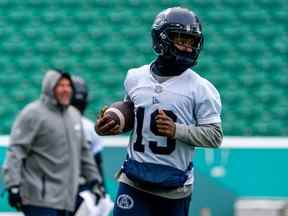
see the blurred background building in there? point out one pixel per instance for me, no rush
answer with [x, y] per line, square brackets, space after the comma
[245, 55]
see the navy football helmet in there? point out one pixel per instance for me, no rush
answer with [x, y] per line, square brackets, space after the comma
[177, 26]
[80, 94]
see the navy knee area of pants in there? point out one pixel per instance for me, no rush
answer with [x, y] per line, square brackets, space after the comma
[30, 210]
[131, 202]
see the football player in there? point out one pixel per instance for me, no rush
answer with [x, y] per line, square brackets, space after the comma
[80, 101]
[104, 204]
[176, 110]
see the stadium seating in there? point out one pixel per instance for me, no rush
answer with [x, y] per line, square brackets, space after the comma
[245, 53]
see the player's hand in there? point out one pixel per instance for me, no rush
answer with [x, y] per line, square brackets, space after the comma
[165, 125]
[105, 125]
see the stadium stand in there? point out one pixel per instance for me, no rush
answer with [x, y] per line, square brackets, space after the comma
[245, 53]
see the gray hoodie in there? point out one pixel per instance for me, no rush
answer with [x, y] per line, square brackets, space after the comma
[48, 152]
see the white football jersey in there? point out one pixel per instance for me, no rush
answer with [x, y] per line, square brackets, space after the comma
[188, 99]
[93, 139]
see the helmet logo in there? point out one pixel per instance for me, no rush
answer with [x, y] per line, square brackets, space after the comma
[163, 36]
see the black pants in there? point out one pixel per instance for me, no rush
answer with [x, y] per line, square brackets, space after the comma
[30, 210]
[132, 202]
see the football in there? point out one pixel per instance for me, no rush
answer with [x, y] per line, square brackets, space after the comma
[122, 112]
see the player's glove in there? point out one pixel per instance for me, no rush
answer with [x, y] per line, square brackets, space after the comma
[14, 197]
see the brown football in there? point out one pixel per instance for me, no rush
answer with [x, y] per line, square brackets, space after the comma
[122, 112]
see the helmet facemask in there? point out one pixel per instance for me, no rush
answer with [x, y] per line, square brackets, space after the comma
[182, 45]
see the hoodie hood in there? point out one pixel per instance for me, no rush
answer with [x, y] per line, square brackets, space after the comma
[49, 82]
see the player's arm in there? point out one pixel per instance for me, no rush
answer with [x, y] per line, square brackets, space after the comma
[94, 180]
[210, 135]
[88, 169]
[207, 132]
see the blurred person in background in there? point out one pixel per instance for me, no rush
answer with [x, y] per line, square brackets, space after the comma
[176, 110]
[48, 152]
[80, 100]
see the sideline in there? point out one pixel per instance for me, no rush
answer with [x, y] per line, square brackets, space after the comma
[229, 142]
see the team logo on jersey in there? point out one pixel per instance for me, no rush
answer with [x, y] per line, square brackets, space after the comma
[158, 89]
[125, 201]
